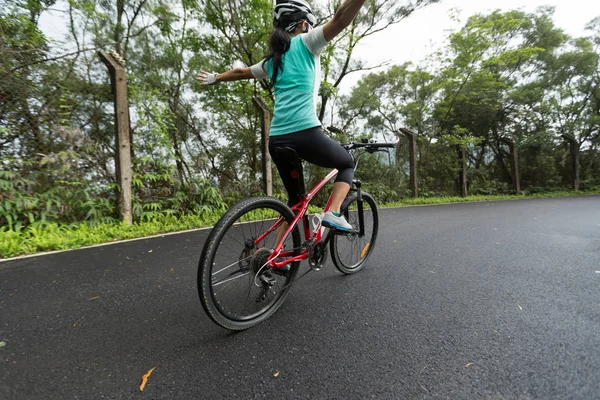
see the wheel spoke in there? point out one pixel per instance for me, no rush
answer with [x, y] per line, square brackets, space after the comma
[350, 252]
[231, 265]
[230, 279]
[236, 277]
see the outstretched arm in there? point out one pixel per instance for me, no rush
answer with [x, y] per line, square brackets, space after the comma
[236, 74]
[344, 15]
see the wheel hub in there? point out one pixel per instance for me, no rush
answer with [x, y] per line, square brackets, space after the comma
[259, 259]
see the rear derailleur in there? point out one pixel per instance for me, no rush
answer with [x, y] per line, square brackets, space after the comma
[267, 281]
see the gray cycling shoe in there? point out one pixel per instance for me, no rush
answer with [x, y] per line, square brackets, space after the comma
[334, 222]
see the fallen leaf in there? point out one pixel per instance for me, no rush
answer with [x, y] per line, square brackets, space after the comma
[94, 298]
[468, 365]
[75, 324]
[145, 379]
[276, 374]
[520, 308]
[2, 344]
[150, 251]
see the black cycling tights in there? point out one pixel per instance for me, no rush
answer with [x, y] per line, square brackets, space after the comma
[315, 147]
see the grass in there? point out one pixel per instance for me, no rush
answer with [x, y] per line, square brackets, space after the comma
[456, 199]
[62, 237]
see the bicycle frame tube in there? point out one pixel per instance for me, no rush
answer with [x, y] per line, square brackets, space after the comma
[300, 209]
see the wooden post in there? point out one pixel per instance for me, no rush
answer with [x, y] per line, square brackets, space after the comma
[462, 177]
[115, 65]
[412, 152]
[516, 178]
[574, 150]
[265, 125]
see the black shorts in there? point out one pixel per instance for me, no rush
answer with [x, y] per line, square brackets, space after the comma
[315, 147]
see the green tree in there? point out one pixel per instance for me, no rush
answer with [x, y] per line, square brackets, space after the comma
[491, 59]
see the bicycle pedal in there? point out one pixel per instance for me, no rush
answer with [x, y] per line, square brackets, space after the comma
[341, 232]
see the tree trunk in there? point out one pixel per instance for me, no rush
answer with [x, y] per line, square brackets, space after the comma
[178, 156]
[574, 148]
[265, 125]
[462, 177]
[575, 164]
[503, 164]
[117, 37]
[514, 156]
[412, 151]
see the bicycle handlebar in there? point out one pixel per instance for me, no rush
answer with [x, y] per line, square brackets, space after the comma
[383, 145]
[369, 146]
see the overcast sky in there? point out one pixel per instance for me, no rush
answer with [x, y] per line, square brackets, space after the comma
[426, 30]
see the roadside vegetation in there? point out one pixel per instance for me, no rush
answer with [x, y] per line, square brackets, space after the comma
[501, 77]
[52, 236]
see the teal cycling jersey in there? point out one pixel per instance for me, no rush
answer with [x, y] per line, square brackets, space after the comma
[297, 85]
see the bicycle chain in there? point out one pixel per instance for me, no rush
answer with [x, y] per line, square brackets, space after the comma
[297, 279]
[325, 242]
[309, 269]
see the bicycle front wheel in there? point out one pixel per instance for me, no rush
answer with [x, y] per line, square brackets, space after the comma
[236, 287]
[349, 251]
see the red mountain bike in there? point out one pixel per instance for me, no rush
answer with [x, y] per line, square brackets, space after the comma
[245, 272]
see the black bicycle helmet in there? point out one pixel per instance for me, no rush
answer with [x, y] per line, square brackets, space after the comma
[288, 13]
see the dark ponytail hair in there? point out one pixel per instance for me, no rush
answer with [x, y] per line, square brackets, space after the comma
[280, 43]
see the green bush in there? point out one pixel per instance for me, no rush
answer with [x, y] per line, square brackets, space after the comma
[53, 236]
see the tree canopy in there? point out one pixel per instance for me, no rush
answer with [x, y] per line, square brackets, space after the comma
[503, 75]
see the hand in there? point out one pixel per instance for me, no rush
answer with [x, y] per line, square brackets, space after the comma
[207, 78]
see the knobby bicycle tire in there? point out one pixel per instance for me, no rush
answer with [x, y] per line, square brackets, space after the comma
[363, 247]
[211, 246]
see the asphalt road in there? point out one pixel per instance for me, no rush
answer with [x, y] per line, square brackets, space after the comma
[497, 300]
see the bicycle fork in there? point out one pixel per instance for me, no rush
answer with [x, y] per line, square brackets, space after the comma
[359, 203]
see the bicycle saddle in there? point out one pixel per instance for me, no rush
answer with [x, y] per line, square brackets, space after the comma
[287, 153]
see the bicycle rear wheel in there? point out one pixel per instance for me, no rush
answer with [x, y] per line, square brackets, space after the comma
[349, 251]
[236, 287]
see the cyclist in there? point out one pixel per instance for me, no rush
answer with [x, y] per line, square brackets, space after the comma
[293, 68]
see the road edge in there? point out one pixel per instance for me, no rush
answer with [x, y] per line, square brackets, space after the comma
[46, 253]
